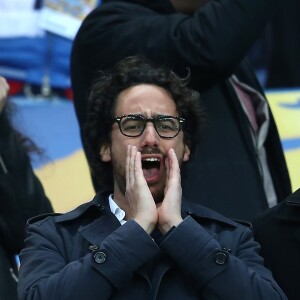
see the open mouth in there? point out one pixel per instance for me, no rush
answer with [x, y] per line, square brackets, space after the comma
[151, 167]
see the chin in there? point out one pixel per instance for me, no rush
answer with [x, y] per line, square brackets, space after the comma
[158, 195]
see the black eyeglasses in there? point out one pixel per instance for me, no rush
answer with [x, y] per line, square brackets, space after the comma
[134, 125]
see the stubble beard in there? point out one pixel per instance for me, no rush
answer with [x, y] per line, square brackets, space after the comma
[120, 180]
[119, 177]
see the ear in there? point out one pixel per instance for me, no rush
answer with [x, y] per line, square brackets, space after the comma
[105, 153]
[187, 152]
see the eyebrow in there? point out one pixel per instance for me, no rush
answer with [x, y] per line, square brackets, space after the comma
[155, 115]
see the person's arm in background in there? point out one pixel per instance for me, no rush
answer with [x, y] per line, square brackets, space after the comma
[213, 40]
[22, 194]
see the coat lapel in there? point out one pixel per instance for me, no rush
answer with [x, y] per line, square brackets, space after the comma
[100, 228]
[289, 212]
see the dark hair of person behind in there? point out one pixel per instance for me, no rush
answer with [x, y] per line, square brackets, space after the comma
[30, 147]
[130, 72]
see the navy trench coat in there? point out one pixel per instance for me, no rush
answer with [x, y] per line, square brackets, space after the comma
[87, 254]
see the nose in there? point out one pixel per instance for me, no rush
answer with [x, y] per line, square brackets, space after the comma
[150, 137]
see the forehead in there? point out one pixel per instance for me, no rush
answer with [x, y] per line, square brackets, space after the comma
[146, 99]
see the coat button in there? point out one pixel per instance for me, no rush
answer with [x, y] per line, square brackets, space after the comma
[101, 207]
[99, 257]
[227, 250]
[221, 258]
[93, 247]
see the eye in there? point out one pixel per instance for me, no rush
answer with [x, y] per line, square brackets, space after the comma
[167, 125]
[132, 125]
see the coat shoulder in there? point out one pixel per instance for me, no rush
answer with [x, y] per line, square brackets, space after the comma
[41, 218]
[204, 214]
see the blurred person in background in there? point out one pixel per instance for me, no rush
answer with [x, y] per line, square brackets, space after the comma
[278, 231]
[284, 57]
[21, 195]
[239, 167]
[275, 54]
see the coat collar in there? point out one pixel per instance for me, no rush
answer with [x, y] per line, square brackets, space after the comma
[201, 212]
[100, 205]
[96, 221]
[289, 210]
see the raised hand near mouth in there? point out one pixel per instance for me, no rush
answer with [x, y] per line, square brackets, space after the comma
[138, 195]
[169, 210]
[143, 208]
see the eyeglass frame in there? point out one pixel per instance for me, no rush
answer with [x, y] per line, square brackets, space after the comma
[180, 120]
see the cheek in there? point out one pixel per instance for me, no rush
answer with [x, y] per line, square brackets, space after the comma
[182, 151]
[178, 143]
[118, 140]
[178, 149]
[119, 151]
[119, 147]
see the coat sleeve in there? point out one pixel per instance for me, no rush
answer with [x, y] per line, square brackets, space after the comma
[49, 272]
[235, 271]
[212, 42]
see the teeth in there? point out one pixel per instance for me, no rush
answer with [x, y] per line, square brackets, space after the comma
[151, 159]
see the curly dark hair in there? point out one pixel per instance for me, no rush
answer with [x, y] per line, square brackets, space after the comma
[130, 72]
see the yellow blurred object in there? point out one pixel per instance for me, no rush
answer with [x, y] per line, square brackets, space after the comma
[67, 182]
[285, 106]
[287, 118]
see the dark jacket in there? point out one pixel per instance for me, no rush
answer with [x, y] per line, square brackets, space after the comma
[21, 197]
[224, 173]
[87, 254]
[284, 45]
[278, 232]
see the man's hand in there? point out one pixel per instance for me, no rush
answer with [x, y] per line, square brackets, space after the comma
[4, 88]
[169, 210]
[138, 195]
